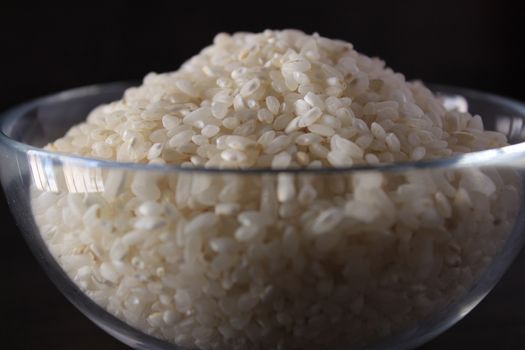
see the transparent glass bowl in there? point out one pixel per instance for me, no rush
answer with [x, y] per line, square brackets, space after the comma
[302, 269]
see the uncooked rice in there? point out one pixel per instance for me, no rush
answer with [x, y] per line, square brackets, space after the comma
[276, 261]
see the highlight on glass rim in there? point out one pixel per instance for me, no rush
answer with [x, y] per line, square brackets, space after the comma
[280, 190]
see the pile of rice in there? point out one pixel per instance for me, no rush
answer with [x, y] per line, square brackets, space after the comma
[283, 260]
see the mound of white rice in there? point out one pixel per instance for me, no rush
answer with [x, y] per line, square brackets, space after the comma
[275, 261]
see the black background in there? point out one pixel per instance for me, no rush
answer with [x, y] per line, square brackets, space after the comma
[46, 48]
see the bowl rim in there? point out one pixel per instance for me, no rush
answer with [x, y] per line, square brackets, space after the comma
[497, 156]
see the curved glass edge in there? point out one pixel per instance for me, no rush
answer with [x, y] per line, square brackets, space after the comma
[427, 330]
[454, 312]
[139, 340]
[102, 318]
[511, 155]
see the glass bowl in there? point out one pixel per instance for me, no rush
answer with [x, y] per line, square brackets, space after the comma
[165, 257]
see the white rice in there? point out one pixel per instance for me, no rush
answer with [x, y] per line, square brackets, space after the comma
[287, 261]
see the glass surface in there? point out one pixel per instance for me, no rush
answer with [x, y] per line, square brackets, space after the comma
[340, 279]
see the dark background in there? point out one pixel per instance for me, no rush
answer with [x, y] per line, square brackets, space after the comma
[44, 49]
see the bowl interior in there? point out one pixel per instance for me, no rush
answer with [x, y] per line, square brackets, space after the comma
[41, 121]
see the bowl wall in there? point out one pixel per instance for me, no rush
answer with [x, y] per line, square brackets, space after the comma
[172, 258]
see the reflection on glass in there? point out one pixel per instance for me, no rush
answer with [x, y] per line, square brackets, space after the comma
[50, 177]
